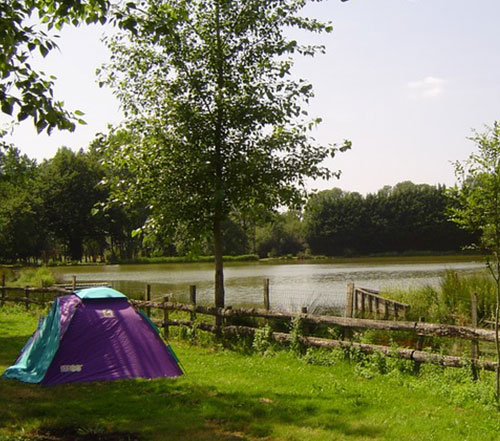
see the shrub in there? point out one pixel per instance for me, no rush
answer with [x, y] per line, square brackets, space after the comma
[41, 277]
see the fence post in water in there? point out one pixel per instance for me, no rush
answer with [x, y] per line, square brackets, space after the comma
[349, 300]
[267, 305]
[418, 347]
[27, 296]
[3, 290]
[147, 297]
[386, 310]
[165, 317]
[363, 301]
[73, 283]
[355, 302]
[192, 300]
[396, 313]
[475, 343]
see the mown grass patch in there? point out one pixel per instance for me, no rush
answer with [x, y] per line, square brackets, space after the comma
[228, 395]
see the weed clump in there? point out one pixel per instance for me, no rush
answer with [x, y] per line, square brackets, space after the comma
[40, 277]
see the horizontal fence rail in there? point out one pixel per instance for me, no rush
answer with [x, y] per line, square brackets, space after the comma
[421, 328]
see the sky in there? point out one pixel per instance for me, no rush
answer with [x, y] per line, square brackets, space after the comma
[407, 81]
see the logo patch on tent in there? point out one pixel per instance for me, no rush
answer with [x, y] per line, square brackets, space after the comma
[107, 313]
[71, 367]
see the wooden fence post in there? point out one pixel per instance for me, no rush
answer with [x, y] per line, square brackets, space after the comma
[418, 347]
[355, 303]
[386, 310]
[26, 296]
[165, 317]
[351, 305]
[73, 283]
[475, 343]
[306, 329]
[228, 321]
[192, 300]
[3, 290]
[267, 304]
[363, 302]
[147, 297]
[396, 312]
[405, 312]
[349, 310]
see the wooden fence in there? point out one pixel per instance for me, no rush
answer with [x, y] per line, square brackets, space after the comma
[46, 294]
[228, 317]
[364, 302]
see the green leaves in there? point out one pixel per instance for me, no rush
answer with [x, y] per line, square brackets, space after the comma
[25, 92]
[477, 196]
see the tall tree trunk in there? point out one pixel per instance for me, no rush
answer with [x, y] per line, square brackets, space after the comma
[219, 267]
[497, 339]
[219, 184]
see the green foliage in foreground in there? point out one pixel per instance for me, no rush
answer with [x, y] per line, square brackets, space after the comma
[227, 395]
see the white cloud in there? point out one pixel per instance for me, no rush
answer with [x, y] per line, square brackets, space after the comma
[429, 87]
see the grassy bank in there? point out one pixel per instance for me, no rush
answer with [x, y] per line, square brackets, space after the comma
[450, 302]
[228, 395]
[406, 257]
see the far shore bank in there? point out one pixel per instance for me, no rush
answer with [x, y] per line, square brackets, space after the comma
[407, 257]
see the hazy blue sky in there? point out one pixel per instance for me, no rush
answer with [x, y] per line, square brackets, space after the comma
[405, 80]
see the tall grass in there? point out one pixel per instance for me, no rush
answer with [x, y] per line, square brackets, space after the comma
[451, 301]
[39, 277]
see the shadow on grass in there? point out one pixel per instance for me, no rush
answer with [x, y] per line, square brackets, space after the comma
[11, 348]
[173, 409]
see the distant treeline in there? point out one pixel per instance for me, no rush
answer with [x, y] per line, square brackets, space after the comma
[58, 211]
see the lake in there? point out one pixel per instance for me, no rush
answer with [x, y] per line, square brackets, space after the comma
[292, 284]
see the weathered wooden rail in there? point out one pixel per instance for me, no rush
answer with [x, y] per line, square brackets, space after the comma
[419, 356]
[420, 328]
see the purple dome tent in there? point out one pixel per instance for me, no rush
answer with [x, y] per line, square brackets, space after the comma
[94, 335]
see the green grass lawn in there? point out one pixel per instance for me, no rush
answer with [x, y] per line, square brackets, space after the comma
[227, 395]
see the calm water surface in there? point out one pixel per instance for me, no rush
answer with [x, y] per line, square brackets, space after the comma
[292, 284]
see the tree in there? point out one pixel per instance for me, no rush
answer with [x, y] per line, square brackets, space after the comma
[24, 91]
[477, 207]
[406, 217]
[334, 222]
[216, 122]
[21, 235]
[68, 188]
[283, 235]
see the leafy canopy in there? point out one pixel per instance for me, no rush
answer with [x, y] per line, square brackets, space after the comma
[216, 122]
[25, 25]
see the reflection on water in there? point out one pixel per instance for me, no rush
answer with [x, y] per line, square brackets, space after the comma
[291, 285]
